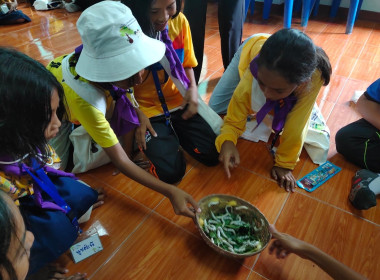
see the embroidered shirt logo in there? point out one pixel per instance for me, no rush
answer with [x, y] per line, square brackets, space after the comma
[126, 31]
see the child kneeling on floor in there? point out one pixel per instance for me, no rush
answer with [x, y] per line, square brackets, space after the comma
[51, 201]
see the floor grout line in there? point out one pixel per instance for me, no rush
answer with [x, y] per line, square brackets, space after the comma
[121, 244]
[125, 195]
[338, 208]
[352, 69]
[151, 211]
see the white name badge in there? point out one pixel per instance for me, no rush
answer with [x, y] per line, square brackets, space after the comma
[86, 248]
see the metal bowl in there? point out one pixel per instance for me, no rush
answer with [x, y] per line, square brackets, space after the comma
[249, 214]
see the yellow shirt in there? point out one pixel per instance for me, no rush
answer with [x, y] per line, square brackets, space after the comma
[243, 102]
[146, 94]
[82, 112]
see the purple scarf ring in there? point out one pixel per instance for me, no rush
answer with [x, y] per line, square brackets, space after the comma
[124, 117]
[281, 107]
[176, 67]
[19, 169]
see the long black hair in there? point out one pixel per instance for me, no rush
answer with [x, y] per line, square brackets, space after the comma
[294, 56]
[26, 88]
[8, 229]
[141, 11]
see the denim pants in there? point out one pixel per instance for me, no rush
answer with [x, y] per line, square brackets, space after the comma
[224, 89]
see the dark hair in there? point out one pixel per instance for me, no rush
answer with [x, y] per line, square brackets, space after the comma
[8, 229]
[26, 88]
[294, 56]
[141, 11]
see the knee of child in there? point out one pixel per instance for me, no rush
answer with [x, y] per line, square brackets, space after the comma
[341, 140]
[170, 173]
[173, 177]
[211, 159]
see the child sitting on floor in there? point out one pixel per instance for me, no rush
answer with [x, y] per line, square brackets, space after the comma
[170, 121]
[359, 143]
[101, 73]
[51, 201]
[9, 13]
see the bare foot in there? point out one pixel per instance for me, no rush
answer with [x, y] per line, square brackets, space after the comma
[140, 160]
[101, 196]
[55, 272]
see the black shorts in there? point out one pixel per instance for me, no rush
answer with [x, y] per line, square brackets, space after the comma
[359, 143]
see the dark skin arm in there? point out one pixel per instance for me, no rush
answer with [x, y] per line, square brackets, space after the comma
[284, 244]
[229, 156]
[370, 110]
[191, 96]
[179, 198]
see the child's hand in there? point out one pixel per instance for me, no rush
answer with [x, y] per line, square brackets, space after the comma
[229, 155]
[141, 130]
[179, 200]
[285, 244]
[284, 177]
[12, 6]
[191, 100]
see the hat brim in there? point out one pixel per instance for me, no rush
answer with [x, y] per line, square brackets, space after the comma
[122, 66]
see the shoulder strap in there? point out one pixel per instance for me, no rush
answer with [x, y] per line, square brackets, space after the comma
[43, 181]
[160, 95]
[166, 65]
[88, 92]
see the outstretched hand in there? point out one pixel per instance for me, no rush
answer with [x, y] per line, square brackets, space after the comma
[180, 200]
[229, 156]
[284, 244]
[284, 177]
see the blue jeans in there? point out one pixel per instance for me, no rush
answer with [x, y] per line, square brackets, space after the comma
[223, 91]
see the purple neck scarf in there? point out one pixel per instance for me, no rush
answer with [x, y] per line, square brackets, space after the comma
[20, 169]
[281, 107]
[124, 117]
[176, 67]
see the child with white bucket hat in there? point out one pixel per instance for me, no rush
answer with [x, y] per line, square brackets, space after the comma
[96, 79]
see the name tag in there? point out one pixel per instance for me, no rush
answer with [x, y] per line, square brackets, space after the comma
[86, 248]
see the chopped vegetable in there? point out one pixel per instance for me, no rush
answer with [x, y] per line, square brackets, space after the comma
[226, 227]
[232, 203]
[201, 222]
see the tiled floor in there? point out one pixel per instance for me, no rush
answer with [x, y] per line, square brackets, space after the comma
[144, 239]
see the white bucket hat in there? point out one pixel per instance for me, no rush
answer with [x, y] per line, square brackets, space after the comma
[114, 46]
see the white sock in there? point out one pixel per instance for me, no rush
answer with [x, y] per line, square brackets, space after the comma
[71, 7]
[375, 185]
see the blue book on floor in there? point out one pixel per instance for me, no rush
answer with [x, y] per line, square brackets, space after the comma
[318, 176]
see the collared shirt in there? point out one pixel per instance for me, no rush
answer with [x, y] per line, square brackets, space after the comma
[146, 94]
[248, 99]
[82, 112]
